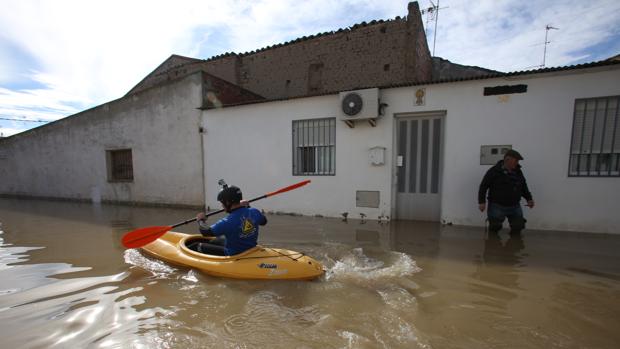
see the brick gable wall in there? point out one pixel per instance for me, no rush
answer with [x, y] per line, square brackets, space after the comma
[365, 55]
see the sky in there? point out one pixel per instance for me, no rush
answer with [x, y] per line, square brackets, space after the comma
[59, 57]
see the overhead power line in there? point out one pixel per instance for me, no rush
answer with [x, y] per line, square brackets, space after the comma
[24, 120]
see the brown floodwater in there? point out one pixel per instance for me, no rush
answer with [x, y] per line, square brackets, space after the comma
[67, 282]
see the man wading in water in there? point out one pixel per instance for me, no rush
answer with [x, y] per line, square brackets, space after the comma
[506, 185]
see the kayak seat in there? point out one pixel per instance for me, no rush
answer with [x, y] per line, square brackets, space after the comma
[207, 246]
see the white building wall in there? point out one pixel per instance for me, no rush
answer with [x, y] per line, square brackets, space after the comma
[67, 159]
[539, 125]
[251, 146]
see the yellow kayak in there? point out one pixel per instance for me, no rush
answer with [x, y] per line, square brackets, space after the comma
[256, 263]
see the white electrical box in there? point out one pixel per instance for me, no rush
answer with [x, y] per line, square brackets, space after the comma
[366, 198]
[491, 154]
[377, 156]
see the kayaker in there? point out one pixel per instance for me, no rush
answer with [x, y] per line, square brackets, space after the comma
[237, 232]
[506, 185]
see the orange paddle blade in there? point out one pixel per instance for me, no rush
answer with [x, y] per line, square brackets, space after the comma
[140, 237]
[290, 187]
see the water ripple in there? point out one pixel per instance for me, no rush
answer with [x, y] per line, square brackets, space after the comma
[156, 267]
[265, 316]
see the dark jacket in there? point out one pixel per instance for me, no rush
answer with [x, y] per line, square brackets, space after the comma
[504, 188]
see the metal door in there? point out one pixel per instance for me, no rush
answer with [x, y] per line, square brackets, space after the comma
[419, 142]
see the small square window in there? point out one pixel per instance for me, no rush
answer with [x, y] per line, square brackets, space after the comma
[595, 144]
[120, 165]
[314, 147]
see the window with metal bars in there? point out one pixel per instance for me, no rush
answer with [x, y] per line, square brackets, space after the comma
[595, 144]
[314, 147]
[120, 165]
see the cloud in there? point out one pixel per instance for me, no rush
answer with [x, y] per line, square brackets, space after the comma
[510, 35]
[32, 105]
[9, 131]
[60, 57]
[254, 25]
[88, 53]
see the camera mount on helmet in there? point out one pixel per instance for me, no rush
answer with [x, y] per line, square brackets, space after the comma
[229, 195]
[222, 183]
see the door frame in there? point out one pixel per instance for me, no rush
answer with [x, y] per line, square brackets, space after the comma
[442, 113]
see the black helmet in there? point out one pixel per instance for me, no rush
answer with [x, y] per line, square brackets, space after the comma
[230, 195]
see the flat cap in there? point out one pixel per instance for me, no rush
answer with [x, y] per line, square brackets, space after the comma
[513, 154]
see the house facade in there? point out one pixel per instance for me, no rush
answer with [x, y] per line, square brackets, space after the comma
[384, 133]
[425, 156]
[146, 147]
[116, 152]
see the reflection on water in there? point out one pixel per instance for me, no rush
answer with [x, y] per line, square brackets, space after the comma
[65, 281]
[499, 266]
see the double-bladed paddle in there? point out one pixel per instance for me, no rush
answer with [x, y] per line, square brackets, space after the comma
[140, 237]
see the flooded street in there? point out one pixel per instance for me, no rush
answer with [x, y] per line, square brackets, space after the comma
[67, 282]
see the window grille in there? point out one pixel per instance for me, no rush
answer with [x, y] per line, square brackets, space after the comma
[314, 147]
[120, 165]
[595, 144]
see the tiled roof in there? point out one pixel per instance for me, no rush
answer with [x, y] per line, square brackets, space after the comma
[305, 38]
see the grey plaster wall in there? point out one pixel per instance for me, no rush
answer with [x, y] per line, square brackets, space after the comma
[67, 159]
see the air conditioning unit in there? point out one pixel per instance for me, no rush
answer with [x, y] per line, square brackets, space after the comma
[359, 105]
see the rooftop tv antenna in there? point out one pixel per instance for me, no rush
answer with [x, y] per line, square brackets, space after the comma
[547, 28]
[432, 14]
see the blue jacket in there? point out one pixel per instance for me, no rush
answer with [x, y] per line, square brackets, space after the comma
[240, 228]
